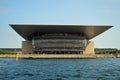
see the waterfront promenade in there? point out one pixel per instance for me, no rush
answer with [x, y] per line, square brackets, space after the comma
[58, 56]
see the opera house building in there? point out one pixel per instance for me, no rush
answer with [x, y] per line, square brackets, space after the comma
[58, 39]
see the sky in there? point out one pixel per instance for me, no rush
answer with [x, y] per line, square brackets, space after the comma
[80, 12]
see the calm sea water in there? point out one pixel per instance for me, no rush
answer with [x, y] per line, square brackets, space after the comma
[60, 69]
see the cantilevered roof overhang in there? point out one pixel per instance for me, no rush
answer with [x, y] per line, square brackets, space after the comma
[89, 31]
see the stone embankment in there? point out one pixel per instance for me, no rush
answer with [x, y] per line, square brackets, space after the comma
[58, 56]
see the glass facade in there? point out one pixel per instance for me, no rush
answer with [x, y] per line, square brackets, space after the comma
[61, 44]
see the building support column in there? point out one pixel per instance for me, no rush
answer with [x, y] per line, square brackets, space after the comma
[89, 50]
[27, 47]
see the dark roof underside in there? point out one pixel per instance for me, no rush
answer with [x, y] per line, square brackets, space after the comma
[89, 31]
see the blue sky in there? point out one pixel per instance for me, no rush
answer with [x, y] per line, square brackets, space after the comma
[82, 12]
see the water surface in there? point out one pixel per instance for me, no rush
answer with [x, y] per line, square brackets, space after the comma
[60, 69]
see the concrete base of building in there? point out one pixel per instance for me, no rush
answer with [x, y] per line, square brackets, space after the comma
[27, 47]
[89, 50]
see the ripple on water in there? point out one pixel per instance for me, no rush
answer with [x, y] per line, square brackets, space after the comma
[59, 69]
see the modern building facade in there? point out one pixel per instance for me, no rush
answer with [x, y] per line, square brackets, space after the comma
[58, 39]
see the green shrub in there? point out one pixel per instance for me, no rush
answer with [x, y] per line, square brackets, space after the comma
[7, 52]
[108, 51]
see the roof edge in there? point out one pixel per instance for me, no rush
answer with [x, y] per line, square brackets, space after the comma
[60, 25]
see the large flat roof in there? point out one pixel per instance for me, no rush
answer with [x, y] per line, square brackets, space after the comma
[90, 31]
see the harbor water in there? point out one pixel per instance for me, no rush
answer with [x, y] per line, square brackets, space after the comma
[60, 69]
